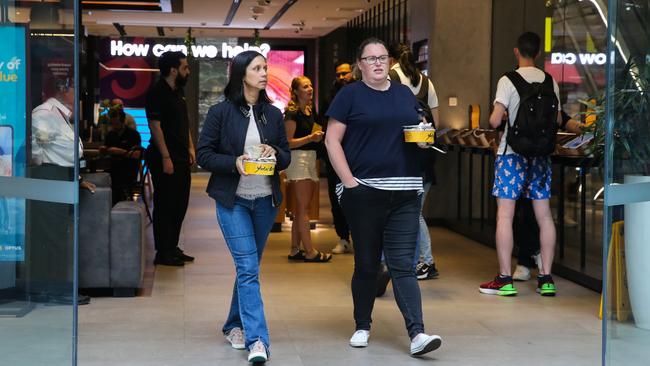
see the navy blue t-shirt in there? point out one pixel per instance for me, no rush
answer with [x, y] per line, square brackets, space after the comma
[374, 139]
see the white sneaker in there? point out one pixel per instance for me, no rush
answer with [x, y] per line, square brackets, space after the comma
[360, 338]
[257, 353]
[236, 338]
[423, 343]
[522, 273]
[343, 246]
[538, 260]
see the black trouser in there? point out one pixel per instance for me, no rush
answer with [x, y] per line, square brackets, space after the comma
[388, 221]
[526, 232]
[340, 224]
[170, 199]
[50, 245]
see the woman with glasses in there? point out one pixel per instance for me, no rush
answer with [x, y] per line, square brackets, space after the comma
[245, 123]
[380, 181]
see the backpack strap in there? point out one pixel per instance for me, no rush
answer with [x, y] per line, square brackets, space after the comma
[423, 93]
[519, 82]
[394, 76]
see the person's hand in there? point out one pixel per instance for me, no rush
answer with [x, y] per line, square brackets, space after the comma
[267, 151]
[89, 186]
[351, 184]
[168, 165]
[240, 164]
[133, 154]
[192, 156]
[317, 136]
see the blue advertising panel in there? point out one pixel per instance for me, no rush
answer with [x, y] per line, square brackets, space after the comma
[13, 128]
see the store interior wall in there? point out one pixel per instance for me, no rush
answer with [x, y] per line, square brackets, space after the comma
[510, 19]
[459, 67]
[418, 20]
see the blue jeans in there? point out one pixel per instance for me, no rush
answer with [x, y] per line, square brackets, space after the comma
[424, 240]
[246, 227]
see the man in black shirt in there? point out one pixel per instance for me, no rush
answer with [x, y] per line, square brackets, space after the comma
[123, 144]
[170, 156]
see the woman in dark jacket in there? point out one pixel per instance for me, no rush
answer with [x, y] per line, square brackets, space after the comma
[246, 204]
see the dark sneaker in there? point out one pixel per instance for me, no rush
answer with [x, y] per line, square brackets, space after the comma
[168, 260]
[545, 285]
[425, 271]
[501, 285]
[180, 254]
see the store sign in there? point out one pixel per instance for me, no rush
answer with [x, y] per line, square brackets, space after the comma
[123, 49]
[558, 58]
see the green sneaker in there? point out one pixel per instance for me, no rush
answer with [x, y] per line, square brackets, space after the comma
[502, 286]
[545, 285]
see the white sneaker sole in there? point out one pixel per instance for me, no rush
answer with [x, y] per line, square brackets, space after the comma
[358, 344]
[258, 357]
[433, 344]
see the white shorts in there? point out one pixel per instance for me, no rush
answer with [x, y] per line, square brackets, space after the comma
[303, 165]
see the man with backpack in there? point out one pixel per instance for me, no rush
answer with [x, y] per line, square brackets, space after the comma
[523, 165]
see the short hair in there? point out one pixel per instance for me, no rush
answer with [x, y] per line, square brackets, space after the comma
[117, 112]
[340, 63]
[234, 90]
[528, 44]
[62, 84]
[170, 60]
[366, 42]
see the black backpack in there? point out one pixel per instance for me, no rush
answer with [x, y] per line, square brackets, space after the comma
[422, 96]
[533, 131]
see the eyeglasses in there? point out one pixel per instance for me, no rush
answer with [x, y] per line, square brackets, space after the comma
[343, 73]
[372, 59]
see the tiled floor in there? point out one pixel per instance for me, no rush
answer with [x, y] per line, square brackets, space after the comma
[309, 310]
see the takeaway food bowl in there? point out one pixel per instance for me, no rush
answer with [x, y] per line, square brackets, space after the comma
[417, 133]
[259, 166]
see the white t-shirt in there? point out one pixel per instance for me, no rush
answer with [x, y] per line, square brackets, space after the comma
[253, 186]
[508, 96]
[53, 135]
[433, 97]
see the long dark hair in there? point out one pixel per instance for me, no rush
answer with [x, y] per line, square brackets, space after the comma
[406, 60]
[234, 91]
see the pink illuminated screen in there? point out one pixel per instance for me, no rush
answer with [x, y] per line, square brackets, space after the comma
[283, 67]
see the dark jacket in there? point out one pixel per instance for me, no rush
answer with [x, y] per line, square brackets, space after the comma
[222, 141]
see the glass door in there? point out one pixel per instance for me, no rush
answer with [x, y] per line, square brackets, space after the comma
[626, 318]
[39, 156]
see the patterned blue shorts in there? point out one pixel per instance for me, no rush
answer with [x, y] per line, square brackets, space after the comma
[515, 175]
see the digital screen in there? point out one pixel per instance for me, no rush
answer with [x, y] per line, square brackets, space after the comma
[283, 67]
[6, 151]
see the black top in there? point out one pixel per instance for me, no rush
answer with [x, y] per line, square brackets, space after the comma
[128, 139]
[223, 138]
[304, 127]
[374, 139]
[168, 106]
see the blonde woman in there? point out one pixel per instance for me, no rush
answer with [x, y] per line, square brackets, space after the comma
[299, 124]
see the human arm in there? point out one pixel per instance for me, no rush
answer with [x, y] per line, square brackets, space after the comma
[295, 142]
[496, 117]
[333, 139]
[159, 141]
[281, 146]
[192, 151]
[209, 152]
